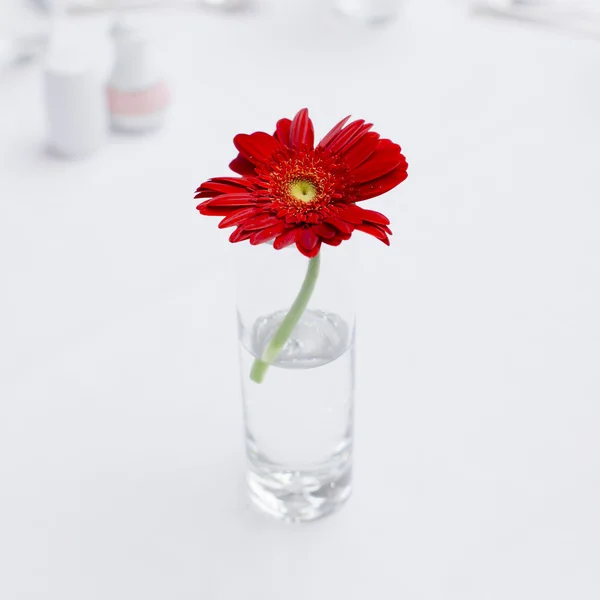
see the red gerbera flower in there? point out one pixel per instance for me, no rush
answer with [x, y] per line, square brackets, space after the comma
[293, 192]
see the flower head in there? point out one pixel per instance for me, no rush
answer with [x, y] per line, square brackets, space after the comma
[293, 192]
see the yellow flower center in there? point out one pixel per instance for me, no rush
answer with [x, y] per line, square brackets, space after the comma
[303, 190]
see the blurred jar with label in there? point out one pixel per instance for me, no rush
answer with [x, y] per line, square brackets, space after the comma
[138, 93]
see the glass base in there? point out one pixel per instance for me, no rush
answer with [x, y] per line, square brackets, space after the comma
[299, 496]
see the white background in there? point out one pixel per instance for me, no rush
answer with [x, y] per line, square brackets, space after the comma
[477, 435]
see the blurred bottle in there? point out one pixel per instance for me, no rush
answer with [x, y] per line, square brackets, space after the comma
[370, 11]
[227, 4]
[74, 94]
[81, 6]
[138, 94]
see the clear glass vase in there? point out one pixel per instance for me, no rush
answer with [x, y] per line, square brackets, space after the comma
[299, 418]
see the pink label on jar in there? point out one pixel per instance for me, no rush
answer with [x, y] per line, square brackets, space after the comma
[141, 102]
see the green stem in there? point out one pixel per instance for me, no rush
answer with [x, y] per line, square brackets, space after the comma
[271, 352]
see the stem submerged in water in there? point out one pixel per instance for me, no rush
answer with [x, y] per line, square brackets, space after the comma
[271, 352]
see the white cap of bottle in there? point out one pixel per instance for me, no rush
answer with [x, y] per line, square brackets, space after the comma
[75, 102]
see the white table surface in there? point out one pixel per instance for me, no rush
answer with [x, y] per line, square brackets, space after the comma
[477, 436]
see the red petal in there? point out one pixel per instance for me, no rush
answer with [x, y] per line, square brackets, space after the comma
[257, 147]
[205, 194]
[302, 133]
[382, 185]
[219, 187]
[239, 235]
[286, 238]
[356, 214]
[327, 139]
[340, 225]
[350, 215]
[374, 231]
[260, 222]
[360, 151]
[375, 217]
[232, 200]
[241, 182]
[336, 241]
[360, 133]
[238, 217]
[308, 239]
[313, 250]
[242, 166]
[386, 158]
[283, 131]
[259, 237]
[345, 136]
[324, 231]
[205, 209]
